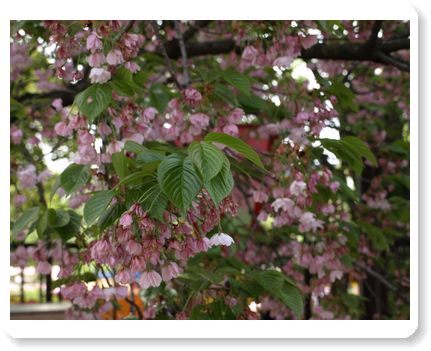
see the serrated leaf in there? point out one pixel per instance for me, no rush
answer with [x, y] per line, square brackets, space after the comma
[72, 228]
[221, 92]
[207, 158]
[96, 205]
[54, 188]
[179, 180]
[74, 176]
[291, 297]
[120, 163]
[236, 144]
[137, 178]
[270, 280]
[109, 216]
[59, 218]
[134, 147]
[153, 200]
[27, 218]
[149, 156]
[42, 224]
[123, 82]
[94, 100]
[222, 184]
[360, 148]
[237, 80]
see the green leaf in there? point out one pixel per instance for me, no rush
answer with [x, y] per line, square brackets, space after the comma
[221, 92]
[376, 236]
[61, 218]
[291, 297]
[27, 218]
[94, 100]
[207, 158]
[221, 185]
[281, 287]
[179, 180]
[96, 205]
[42, 224]
[149, 156]
[271, 280]
[344, 153]
[120, 163]
[109, 216]
[237, 80]
[360, 148]
[134, 147]
[153, 200]
[74, 176]
[54, 188]
[138, 177]
[72, 228]
[346, 99]
[123, 82]
[159, 96]
[236, 144]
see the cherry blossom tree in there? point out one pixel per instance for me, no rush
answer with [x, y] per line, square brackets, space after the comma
[213, 169]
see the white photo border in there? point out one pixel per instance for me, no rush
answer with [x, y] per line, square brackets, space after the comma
[228, 10]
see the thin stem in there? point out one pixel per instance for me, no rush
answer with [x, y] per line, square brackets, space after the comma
[165, 53]
[183, 53]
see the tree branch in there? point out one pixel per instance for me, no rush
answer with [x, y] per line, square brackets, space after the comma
[183, 53]
[165, 53]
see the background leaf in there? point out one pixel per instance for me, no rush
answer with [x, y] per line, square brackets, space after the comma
[94, 100]
[74, 176]
[97, 205]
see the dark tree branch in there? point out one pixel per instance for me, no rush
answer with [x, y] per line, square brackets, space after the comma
[380, 53]
[372, 41]
[194, 28]
[382, 279]
[163, 47]
[325, 51]
[180, 38]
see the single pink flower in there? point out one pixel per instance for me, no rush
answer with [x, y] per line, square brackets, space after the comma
[170, 271]
[221, 239]
[99, 75]
[115, 57]
[151, 278]
[93, 42]
[126, 220]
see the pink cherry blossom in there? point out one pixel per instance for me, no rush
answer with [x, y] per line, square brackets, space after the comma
[16, 135]
[96, 59]
[199, 120]
[27, 177]
[132, 66]
[149, 279]
[308, 222]
[62, 129]
[297, 187]
[284, 203]
[93, 42]
[170, 271]
[249, 54]
[114, 57]
[19, 199]
[99, 75]
[192, 96]
[221, 239]
[44, 267]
